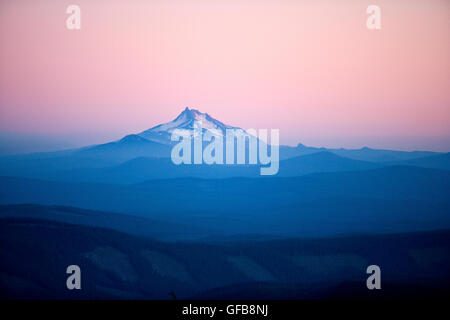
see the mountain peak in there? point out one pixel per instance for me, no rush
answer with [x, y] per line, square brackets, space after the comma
[191, 114]
[184, 121]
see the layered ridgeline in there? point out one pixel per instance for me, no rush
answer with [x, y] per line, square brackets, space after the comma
[143, 227]
[391, 199]
[146, 155]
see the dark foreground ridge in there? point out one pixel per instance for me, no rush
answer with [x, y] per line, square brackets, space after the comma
[34, 255]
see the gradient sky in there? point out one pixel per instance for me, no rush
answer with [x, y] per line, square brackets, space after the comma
[310, 68]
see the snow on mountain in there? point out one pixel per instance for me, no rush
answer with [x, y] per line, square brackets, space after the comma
[184, 122]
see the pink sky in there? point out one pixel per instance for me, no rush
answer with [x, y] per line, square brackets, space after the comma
[310, 68]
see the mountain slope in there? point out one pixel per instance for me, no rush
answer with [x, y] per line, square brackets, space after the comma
[129, 147]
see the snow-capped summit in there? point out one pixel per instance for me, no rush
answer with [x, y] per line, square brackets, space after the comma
[185, 121]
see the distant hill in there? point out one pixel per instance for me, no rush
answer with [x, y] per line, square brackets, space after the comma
[323, 161]
[130, 224]
[440, 161]
[363, 154]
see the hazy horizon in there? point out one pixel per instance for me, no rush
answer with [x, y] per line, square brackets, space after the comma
[312, 70]
[20, 143]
